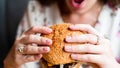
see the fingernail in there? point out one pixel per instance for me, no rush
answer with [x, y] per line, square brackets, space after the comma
[46, 49]
[49, 41]
[68, 38]
[73, 56]
[67, 48]
[49, 30]
[72, 26]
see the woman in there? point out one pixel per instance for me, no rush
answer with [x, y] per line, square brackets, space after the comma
[100, 18]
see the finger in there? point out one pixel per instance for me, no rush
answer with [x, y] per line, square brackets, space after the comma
[31, 58]
[93, 58]
[36, 39]
[84, 48]
[35, 50]
[98, 59]
[88, 38]
[36, 29]
[84, 27]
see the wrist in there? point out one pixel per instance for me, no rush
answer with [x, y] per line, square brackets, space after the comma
[11, 66]
[8, 64]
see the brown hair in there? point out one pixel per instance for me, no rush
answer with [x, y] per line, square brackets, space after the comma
[49, 2]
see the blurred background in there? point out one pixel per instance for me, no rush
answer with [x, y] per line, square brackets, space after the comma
[11, 12]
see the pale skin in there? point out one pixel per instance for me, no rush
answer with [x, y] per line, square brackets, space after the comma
[99, 52]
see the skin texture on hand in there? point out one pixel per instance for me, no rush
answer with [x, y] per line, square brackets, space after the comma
[31, 52]
[100, 53]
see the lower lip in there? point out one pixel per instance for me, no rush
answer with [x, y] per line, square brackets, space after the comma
[76, 5]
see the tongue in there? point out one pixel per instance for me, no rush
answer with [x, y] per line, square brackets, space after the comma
[78, 1]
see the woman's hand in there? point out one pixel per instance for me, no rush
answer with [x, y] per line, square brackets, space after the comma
[97, 48]
[29, 47]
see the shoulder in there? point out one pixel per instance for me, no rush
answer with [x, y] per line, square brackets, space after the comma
[113, 11]
[34, 5]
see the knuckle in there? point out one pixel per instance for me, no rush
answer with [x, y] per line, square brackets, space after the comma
[39, 50]
[31, 38]
[42, 39]
[27, 49]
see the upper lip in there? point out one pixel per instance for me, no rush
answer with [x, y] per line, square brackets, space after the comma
[78, 1]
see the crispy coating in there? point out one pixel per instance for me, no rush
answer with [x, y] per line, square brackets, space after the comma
[57, 55]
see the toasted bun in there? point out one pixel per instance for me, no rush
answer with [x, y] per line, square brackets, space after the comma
[57, 55]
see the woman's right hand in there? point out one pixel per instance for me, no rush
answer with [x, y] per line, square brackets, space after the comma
[28, 47]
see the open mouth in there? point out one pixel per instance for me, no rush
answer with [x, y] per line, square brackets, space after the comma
[78, 1]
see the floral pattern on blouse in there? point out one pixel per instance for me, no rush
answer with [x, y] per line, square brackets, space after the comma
[38, 15]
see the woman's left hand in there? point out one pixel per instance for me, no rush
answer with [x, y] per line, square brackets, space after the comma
[98, 49]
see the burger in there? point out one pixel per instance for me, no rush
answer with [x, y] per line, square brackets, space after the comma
[57, 57]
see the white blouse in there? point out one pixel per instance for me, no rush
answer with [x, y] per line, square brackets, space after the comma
[38, 15]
